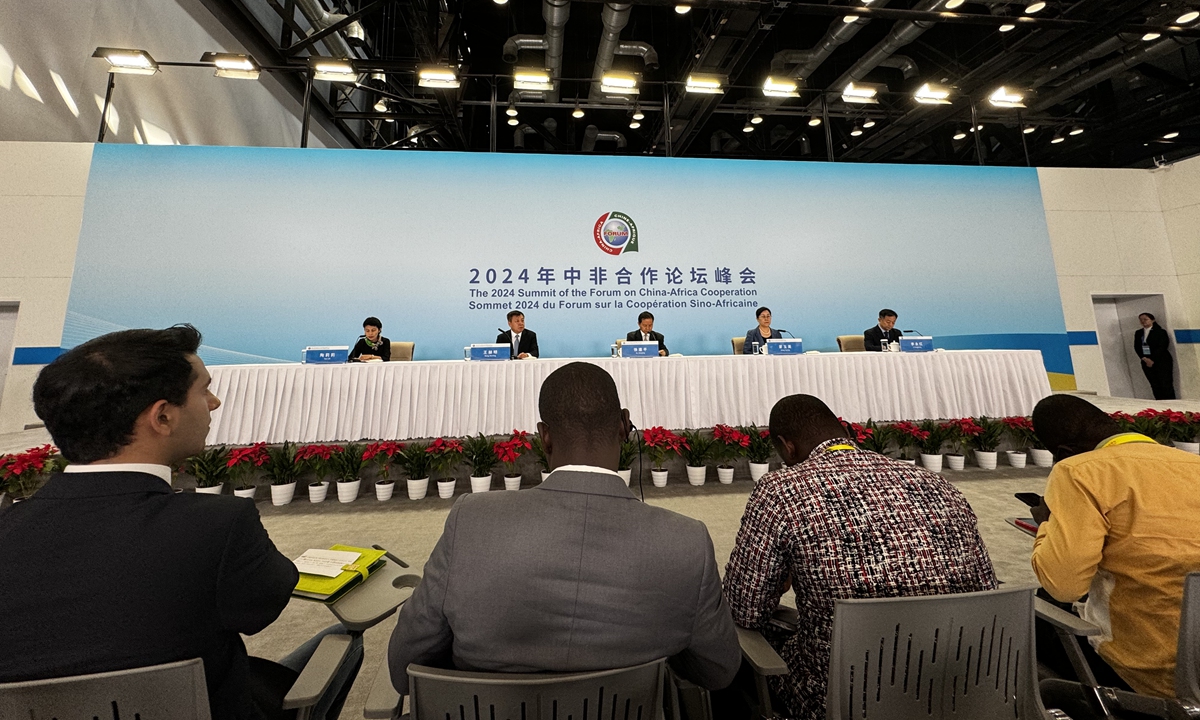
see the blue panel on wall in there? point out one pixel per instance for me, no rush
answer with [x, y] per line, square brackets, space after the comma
[1082, 337]
[35, 355]
[1056, 354]
[1187, 336]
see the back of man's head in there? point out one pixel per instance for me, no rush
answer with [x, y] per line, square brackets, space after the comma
[805, 421]
[580, 405]
[91, 396]
[1068, 425]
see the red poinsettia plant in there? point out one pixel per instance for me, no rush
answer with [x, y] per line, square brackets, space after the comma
[1020, 430]
[960, 432]
[660, 442]
[382, 453]
[1181, 426]
[446, 454]
[318, 458]
[243, 461]
[19, 472]
[729, 443]
[909, 435]
[760, 448]
[509, 451]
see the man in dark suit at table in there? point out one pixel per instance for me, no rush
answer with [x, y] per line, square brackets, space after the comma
[885, 332]
[106, 568]
[575, 574]
[645, 333]
[522, 343]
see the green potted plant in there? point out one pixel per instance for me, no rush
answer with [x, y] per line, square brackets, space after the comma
[21, 474]
[907, 435]
[446, 455]
[1183, 429]
[417, 462]
[958, 434]
[318, 458]
[479, 454]
[210, 468]
[1020, 431]
[985, 442]
[759, 451]
[874, 437]
[347, 465]
[539, 451]
[382, 453]
[243, 465]
[659, 443]
[932, 437]
[282, 469]
[695, 449]
[509, 452]
[629, 453]
[729, 444]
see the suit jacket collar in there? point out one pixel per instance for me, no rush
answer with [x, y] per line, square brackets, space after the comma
[71, 486]
[587, 483]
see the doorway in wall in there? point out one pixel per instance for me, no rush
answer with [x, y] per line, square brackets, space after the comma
[8, 329]
[1116, 322]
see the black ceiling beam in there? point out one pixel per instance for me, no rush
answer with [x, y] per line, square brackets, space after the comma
[336, 27]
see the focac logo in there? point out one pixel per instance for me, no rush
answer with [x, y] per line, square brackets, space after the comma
[615, 233]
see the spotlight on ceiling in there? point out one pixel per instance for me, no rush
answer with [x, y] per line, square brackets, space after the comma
[861, 93]
[1076, 130]
[1028, 129]
[577, 112]
[532, 79]
[849, 19]
[333, 70]
[637, 112]
[619, 83]
[500, 2]
[747, 128]
[511, 111]
[756, 119]
[929, 94]
[856, 131]
[683, 9]
[513, 121]
[1151, 36]
[229, 65]
[1035, 7]
[381, 105]
[705, 83]
[441, 77]
[1003, 97]
[814, 121]
[1007, 27]
[634, 124]
[952, 4]
[1187, 17]
[868, 123]
[129, 62]
[960, 133]
[780, 87]
[1171, 135]
[1057, 138]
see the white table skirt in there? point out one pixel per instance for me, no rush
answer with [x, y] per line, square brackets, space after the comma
[401, 400]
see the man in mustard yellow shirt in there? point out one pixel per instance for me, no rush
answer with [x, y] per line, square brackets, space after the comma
[1123, 528]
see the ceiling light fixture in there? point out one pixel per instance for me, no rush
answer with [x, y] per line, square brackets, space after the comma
[532, 79]
[1028, 129]
[513, 121]
[780, 87]
[333, 70]
[756, 119]
[1002, 97]
[863, 93]
[849, 19]
[683, 9]
[952, 4]
[500, 2]
[1187, 17]
[960, 134]
[511, 111]
[619, 83]
[1007, 27]
[1035, 7]
[705, 83]
[1151, 36]
[814, 121]
[130, 62]
[929, 94]
[441, 77]
[1171, 135]
[634, 124]
[1057, 138]
[381, 105]
[747, 128]
[868, 123]
[1076, 130]
[229, 65]
[637, 112]
[856, 131]
[577, 112]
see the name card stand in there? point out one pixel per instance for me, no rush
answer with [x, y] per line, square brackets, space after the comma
[916, 343]
[325, 354]
[639, 348]
[489, 351]
[785, 347]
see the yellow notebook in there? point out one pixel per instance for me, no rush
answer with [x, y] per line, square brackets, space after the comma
[329, 589]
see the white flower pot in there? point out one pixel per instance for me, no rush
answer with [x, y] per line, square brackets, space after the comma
[545, 474]
[282, 494]
[245, 492]
[986, 459]
[757, 470]
[659, 478]
[317, 491]
[446, 488]
[725, 475]
[1193, 448]
[348, 491]
[481, 483]
[696, 474]
[626, 475]
[955, 461]
[417, 488]
[932, 463]
[1016, 458]
[384, 490]
[1041, 458]
[906, 461]
[211, 490]
[512, 482]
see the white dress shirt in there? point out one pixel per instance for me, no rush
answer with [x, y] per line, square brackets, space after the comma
[161, 471]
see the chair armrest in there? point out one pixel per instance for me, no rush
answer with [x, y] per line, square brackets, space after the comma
[786, 618]
[758, 652]
[318, 673]
[383, 703]
[1064, 620]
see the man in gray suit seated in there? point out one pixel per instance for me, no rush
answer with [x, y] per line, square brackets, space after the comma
[575, 574]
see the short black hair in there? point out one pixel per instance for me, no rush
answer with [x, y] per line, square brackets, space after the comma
[514, 313]
[646, 315]
[579, 400]
[373, 322]
[1149, 315]
[1070, 420]
[798, 417]
[91, 396]
[760, 311]
[887, 312]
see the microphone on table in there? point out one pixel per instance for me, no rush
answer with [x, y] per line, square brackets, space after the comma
[499, 330]
[789, 332]
[912, 331]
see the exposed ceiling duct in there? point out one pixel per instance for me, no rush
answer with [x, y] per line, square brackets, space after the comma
[320, 18]
[555, 13]
[614, 17]
[592, 134]
[1108, 46]
[1109, 69]
[902, 63]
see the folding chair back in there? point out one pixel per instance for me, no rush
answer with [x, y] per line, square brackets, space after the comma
[968, 655]
[174, 691]
[1187, 660]
[633, 693]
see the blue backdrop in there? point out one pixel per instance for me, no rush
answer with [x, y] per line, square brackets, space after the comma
[269, 250]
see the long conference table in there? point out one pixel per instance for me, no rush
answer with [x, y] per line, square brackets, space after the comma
[403, 400]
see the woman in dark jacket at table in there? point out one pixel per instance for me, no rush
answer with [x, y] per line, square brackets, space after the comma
[761, 333]
[371, 344]
[1153, 348]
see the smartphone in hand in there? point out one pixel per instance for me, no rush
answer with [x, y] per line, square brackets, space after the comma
[1030, 499]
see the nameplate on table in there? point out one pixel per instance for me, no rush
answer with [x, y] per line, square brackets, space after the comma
[639, 348]
[325, 354]
[916, 343]
[785, 347]
[491, 351]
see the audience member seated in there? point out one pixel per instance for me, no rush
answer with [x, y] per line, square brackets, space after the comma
[106, 568]
[371, 345]
[1118, 523]
[574, 575]
[840, 522]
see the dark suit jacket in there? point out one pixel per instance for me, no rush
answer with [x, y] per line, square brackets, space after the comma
[873, 338]
[1160, 345]
[108, 571]
[574, 575]
[636, 336]
[528, 342]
